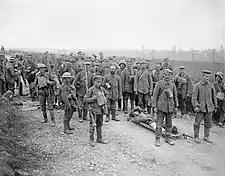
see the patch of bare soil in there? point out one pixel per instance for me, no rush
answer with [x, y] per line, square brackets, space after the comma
[130, 151]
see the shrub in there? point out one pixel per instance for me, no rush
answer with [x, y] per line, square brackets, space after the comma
[13, 130]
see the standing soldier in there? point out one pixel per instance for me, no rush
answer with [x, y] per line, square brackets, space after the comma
[29, 62]
[11, 74]
[204, 103]
[82, 82]
[113, 85]
[122, 65]
[68, 94]
[143, 86]
[166, 65]
[156, 76]
[96, 99]
[220, 92]
[2, 75]
[45, 82]
[135, 71]
[165, 103]
[184, 89]
[127, 79]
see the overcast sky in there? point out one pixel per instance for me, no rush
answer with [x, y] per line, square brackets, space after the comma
[112, 23]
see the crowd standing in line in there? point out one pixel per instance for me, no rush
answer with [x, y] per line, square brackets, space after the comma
[95, 86]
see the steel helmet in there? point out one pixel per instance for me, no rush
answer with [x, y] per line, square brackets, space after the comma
[66, 75]
[40, 65]
[80, 52]
[122, 62]
[220, 74]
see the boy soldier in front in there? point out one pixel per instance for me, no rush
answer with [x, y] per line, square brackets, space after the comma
[68, 95]
[127, 79]
[143, 86]
[113, 85]
[96, 99]
[184, 89]
[45, 83]
[165, 103]
[204, 103]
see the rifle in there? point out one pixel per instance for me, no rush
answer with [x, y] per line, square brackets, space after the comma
[92, 116]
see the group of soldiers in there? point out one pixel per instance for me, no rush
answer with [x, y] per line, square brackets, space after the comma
[96, 86]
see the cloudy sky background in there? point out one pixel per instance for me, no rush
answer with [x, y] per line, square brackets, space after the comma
[116, 24]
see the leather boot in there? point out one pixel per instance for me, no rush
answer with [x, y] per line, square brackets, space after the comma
[45, 120]
[80, 115]
[85, 115]
[108, 116]
[132, 104]
[206, 135]
[66, 127]
[126, 106]
[168, 139]
[196, 135]
[157, 141]
[114, 116]
[99, 136]
[69, 127]
[52, 118]
[92, 139]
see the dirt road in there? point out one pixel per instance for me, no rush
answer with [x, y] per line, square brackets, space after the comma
[131, 150]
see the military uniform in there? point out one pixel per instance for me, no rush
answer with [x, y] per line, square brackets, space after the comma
[184, 90]
[127, 79]
[2, 75]
[68, 95]
[45, 83]
[119, 73]
[204, 103]
[11, 74]
[96, 100]
[143, 86]
[220, 90]
[82, 84]
[113, 85]
[165, 101]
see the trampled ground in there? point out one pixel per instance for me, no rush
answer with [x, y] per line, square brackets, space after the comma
[130, 151]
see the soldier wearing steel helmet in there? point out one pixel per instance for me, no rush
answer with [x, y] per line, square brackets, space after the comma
[122, 66]
[45, 82]
[68, 95]
[220, 91]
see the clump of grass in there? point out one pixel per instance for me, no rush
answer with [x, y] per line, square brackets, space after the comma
[13, 131]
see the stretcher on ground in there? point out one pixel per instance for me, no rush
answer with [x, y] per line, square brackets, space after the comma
[138, 116]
